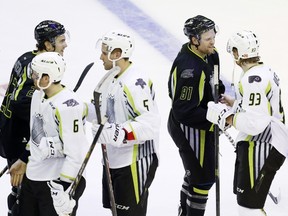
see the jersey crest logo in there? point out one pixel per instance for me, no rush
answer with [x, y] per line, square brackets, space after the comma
[276, 79]
[71, 103]
[140, 82]
[187, 73]
[18, 67]
[252, 79]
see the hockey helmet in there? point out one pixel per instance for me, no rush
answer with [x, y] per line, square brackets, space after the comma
[119, 39]
[47, 30]
[246, 43]
[50, 63]
[198, 25]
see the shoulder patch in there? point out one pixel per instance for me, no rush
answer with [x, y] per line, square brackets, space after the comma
[71, 102]
[18, 67]
[276, 79]
[252, 79]
[140, 82]
[187, 73]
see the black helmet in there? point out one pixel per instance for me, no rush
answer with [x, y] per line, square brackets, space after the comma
[197, 25]
[47, 30]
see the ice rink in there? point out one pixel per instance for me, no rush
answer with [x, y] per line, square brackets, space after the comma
[158, 29]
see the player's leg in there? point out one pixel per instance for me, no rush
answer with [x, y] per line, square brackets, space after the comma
[255, 167]
[198, 160]
[130, 185]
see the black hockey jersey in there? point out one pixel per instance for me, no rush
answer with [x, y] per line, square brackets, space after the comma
[190, 87]
[15, 109]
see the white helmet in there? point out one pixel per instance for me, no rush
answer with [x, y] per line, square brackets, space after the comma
[119, 39]
[50, 63]
[246, 43]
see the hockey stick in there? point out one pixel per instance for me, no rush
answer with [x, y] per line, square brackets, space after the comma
[96, 96]
[216, 140]
[97, 104]
[3, 170]
[274, 198]
[85, 71]
[85, 162]
[105, 158]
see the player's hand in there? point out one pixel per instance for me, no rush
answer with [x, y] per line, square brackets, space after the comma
[62, 203]
[217, 114]
[112, 134]
[50, 147]
[17, 171]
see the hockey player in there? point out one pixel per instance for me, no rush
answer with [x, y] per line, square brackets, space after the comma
[190, 90]
[57, 143]
[258, 114]
[15, 109]
[132, 130]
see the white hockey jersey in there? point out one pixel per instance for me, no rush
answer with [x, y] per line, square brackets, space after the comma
[128, 99]
[62, 116]
[261, 113]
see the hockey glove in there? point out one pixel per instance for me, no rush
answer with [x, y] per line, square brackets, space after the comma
[112, 134]
[217, 114]
[62, 203]
[51, 147]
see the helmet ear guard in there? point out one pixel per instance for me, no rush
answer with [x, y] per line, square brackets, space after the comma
[50, 63]
[246, 43]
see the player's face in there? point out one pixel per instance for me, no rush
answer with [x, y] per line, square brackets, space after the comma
[207, 42]
[108, 57]
[60, 44]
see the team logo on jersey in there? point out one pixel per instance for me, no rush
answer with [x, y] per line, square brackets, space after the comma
[18, 67]
[140, 82]
[71, 103]
[252, 79]
[276, 79]
[187, 73]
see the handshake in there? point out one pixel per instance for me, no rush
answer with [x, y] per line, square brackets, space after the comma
[218, 113]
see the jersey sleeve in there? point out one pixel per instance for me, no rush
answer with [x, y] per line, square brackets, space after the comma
[144, 122]
[70, 117]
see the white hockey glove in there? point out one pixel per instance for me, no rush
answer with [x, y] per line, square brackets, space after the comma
[217, 114]
[62, 203]
[50, 147]
[112, 134]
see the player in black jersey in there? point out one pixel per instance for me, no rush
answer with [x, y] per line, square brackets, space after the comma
[190, 90]
[15, 109]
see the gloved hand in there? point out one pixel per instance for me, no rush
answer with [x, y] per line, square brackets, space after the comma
[50, 147]
[61, 200]
[112, 134]
[217, 114]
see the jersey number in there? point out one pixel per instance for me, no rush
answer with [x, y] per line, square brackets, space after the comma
[254, 99]
[76, 126]
[186, 93]
[145, 104]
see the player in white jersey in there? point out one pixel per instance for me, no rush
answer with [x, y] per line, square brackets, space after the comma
[132, 130]
[57, 143]
[258, 114]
